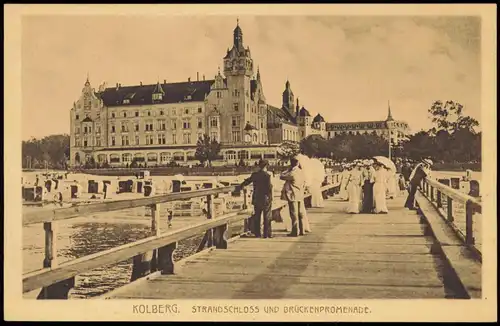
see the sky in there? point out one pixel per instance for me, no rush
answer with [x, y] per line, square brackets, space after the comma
[346, 68]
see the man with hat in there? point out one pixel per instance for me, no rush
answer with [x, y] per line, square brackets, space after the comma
[420, 171]
[262, 199]
[293, 193]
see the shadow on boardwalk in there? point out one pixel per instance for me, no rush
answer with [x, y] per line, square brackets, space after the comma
[346, 256]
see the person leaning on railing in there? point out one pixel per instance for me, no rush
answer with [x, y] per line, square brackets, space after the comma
[422, 170]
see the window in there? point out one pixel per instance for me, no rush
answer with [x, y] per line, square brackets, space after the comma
[161, 112]
[186, 124]
[157, 96]
[186, 111]
[213, 121]
[236, 121]
[78, 142]
[200, 123]
[174, 139]
[77, 117]
[85, 129]
[149, 113]
[136, 113]
[90, 130]
[124, 114]
[235, 106]
[236, 136]
[136, 127]
[213, 136]
[85, 142]
[112, 115]
[173, 111]
[186, 138]
[200, 110]
[161, 125]
[149, 140]
[98, 129]
[125, 141]
[137, 140]
[174, 124]
[98, 141]
[77, 130]
[236, 93]
[113, 141]
[219, 94]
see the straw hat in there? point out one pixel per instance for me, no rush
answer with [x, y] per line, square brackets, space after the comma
[427, 161]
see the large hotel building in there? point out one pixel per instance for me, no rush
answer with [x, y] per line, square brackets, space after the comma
[162, 122]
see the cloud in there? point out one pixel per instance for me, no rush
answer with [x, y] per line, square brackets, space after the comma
[345, 68]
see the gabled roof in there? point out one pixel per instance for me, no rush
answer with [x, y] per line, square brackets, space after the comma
[142, 94]
[87, 119]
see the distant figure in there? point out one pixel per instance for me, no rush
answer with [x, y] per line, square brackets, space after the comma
[36, 181]
[346, 172]
[379, 189]
[421, 171]
[406, 171]
[293, 193]
[367, 188]
[353, 187]
[262, 199]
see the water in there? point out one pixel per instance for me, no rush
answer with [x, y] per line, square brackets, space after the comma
[94, 233]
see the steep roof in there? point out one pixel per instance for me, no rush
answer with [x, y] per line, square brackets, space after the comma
[142, 94]
[87, 119]
[304, 113]
[318, 118]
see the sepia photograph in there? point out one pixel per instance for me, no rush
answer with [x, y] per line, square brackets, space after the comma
[234, 165]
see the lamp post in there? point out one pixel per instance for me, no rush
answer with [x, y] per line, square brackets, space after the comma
[390, 142]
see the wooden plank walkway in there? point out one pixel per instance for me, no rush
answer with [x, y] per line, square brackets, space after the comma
[346, 257]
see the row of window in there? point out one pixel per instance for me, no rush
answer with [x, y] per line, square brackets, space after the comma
[162, 112]
[160, 139]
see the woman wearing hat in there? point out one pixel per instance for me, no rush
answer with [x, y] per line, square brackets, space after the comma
[354, 189]
[345, 172]
[379, 189]
[367, 188]
[421, 171]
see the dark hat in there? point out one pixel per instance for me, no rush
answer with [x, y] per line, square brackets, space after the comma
[262, 163]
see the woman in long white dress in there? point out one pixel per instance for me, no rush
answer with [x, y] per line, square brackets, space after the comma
[379, 189]
[317, 181]
[392, 183]
[346, 171]
[354, 189]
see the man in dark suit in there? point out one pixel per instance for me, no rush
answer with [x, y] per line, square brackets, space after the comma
[262, 199]
[421, 171]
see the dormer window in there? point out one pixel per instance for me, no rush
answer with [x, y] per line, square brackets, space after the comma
[157, 97]
[126, 101]
[187, 97]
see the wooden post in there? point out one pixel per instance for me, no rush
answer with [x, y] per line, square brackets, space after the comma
[155, 219]
[50, 246]
[59, 290]
[449, 208]
[221, 236]
[469, 223]
[246, 222]
[438, 199]
[432, 193]
[210, 214]
[166, 258]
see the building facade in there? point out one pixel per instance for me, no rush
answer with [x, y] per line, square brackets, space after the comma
[162, 122]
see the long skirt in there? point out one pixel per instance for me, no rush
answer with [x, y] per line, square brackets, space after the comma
[392, 187]
[379, 199]
[316, 196]
[354, 192]
[343, 194]
[368, 197]
[305, 218]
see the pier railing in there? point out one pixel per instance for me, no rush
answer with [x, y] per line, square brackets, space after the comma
[152, 254]
[459, 210]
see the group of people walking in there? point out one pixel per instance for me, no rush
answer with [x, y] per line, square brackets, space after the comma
[366, 185]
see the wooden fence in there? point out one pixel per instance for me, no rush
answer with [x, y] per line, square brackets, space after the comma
[152, 254]
[446, 200]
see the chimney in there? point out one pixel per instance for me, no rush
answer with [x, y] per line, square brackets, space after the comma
[203, 77]
[117, 86]
[189, 79]
[197, 76]
[165, 81]
[141, 83]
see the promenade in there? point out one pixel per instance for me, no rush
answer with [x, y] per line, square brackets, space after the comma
[345, 257]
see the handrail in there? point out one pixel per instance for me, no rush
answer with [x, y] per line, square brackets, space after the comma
[154, 253]
[434, 191]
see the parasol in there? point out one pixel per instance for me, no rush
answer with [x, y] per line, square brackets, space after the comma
[178, 177]
[386, 162]
[318, 170]
[307, 168]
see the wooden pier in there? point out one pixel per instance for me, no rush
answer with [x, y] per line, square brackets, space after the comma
[404, 254]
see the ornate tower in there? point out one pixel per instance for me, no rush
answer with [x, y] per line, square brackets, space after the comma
[238, 69]
[288, 99]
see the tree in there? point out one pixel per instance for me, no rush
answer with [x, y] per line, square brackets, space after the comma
[207, 150]
[448, 116]
[53, 149]
[287, 150]
[315, 145]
